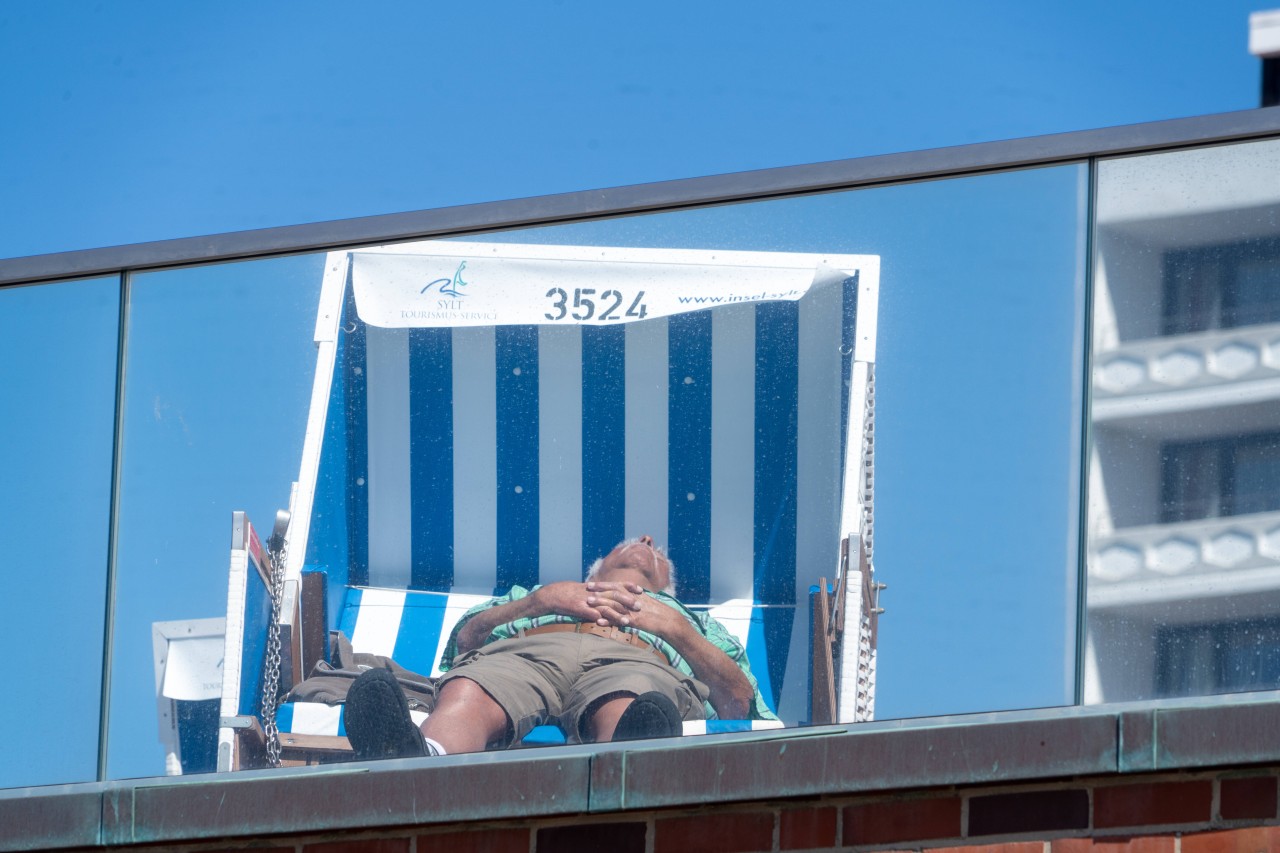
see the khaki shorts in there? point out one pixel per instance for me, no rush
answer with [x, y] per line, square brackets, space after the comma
[560, 678]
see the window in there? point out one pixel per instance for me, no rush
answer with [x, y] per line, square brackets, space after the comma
[1224, 657]
[1222, 287]
[1212, 478]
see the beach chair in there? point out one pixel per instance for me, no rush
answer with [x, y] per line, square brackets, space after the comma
[489, 414]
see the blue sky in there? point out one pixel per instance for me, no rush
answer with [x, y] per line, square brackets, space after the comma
[137, 121]
[146, 121]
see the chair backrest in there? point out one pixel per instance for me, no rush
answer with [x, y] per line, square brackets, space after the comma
[464, 459]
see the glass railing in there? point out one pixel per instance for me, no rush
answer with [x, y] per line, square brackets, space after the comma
[515, 453]
[1153, 588]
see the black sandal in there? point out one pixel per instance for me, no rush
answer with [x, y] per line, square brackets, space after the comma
[377, 719]
[650, 715]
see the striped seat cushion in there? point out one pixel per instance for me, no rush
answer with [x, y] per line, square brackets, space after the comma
[408, 626]
[413, 627]
[316, 718]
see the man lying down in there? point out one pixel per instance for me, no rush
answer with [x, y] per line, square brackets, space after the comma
[614, 658]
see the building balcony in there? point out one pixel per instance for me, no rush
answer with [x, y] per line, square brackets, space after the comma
[1188, 374]
[1177, 362]
[1216, 558]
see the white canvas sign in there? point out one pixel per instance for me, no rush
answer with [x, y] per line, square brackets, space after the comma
[194, 670]
[413, 291]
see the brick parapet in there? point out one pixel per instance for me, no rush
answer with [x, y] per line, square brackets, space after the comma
[1234, 809]
[1156, 771]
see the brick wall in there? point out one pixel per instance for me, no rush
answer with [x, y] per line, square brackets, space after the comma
[1236, 810]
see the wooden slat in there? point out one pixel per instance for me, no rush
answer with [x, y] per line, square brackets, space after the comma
[870, 598]
[824, 673]
[315, 632]
[251, 748]
[326, 744]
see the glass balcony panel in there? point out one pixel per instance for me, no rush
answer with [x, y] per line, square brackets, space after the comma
[58, 372]
[220, 365]
[978, 415]
[1184, 533]
[977, 396]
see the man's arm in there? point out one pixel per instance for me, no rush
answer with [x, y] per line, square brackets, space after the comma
[626, 605]
[565, 598]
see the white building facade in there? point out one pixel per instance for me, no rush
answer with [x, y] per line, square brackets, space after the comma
[1184, 471]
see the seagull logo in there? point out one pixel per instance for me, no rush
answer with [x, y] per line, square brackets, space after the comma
[449, 286]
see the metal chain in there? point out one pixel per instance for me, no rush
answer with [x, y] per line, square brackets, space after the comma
[278, 549]
[869, 463]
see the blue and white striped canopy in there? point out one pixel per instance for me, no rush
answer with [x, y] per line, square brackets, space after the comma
[472, 458]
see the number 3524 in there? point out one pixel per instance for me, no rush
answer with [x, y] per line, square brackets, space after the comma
[584, 305]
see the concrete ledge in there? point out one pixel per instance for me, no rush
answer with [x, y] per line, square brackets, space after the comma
[1006, 748]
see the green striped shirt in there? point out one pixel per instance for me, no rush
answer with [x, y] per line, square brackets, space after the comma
[705, 623]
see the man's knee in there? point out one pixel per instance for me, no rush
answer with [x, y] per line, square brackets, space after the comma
[466, 718]
[459, 693]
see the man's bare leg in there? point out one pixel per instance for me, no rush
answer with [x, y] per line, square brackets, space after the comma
[466, 719]
[602, 722]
